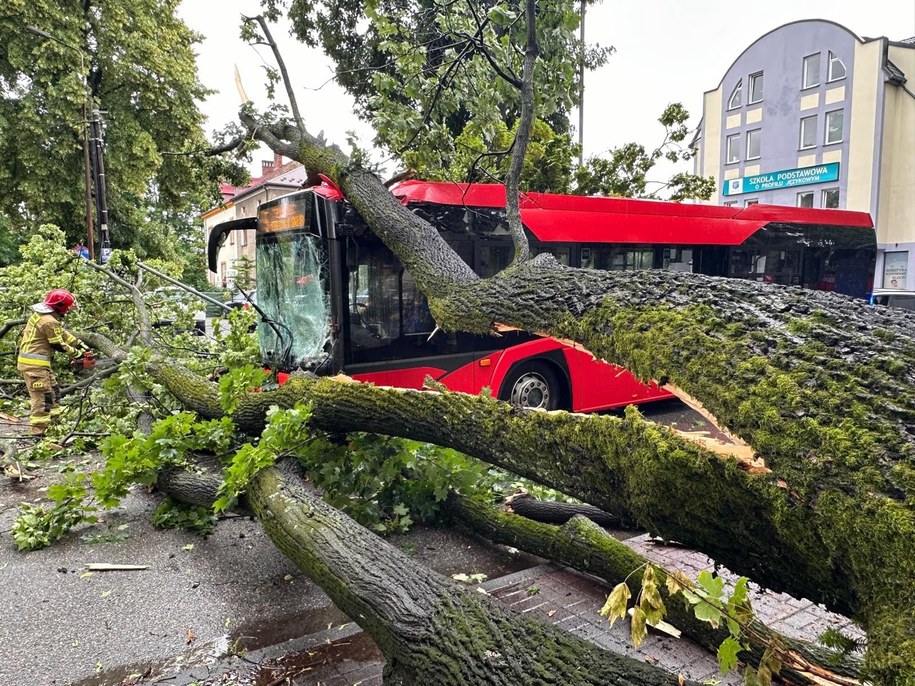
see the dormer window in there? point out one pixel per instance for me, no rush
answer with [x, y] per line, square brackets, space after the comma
[836, 67]
[736, 99]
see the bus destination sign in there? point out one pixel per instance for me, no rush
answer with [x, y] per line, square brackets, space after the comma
[787, 178]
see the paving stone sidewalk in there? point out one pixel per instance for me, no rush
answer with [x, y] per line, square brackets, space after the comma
[572, 601]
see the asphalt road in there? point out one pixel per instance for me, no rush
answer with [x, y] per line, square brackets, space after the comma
[60, 625]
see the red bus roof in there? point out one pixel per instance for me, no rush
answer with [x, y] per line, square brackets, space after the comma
[582, 219]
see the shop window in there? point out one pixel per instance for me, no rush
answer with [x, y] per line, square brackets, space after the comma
[811, 71]
[831, 198]
[834, 123]
[736, 99]
[805, 199]
[808, 132]
[755, 89]
[836, 68]
[733, 149]
[753, 148]
[895, 269]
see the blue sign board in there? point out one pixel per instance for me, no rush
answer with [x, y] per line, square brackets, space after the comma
[782, 179]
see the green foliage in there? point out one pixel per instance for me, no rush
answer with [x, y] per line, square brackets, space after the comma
[129, 460]
[706, 597]
[235, 343]
[112, 534]
[238, 381]
[135, 62]
[383, 483]
[624, 171]
[243, 270]
[37, 526]
[388, 483]
[247, 462]
[431, 92]
[547, 165]
[173, 515]
[170, 443]
[835, 639]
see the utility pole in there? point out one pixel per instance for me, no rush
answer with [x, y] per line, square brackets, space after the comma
[87, 165]
[101, 198]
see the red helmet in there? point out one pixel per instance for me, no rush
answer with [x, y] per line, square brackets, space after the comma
[60, 300]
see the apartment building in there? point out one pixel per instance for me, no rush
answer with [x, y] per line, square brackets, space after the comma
[812, 115]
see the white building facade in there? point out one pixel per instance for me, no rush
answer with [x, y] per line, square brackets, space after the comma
[811, 115]
[276, 180]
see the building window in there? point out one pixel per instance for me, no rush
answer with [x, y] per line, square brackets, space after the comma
[811, 71]
[736, 99]
[895, 269]
[808, 132]
[836, 68]
[805, 199]
[754, 201]
[730, 204]
[244, 238]
[831, 198]
[753, 144]
[733, 149]
[755, 88]
[231, 238]
[834, 123]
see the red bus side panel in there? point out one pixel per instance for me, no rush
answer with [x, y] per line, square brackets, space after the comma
[595, 385]
[601, 386]
[401, 378]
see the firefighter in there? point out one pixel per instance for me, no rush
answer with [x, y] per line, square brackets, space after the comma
[43, 335]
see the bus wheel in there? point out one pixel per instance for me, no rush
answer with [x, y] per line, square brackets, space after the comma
[533, 386]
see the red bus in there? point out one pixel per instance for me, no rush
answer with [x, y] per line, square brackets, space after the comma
[335, 299]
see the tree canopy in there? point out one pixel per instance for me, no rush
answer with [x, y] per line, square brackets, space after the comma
[134, 62]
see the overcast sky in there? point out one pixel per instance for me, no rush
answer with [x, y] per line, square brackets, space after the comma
[666, 51]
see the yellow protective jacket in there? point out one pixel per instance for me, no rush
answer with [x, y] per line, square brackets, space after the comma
[43, 335]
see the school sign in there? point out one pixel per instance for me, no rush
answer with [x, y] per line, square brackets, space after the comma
[788, 178]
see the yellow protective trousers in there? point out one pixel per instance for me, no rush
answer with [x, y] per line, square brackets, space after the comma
[44, 393]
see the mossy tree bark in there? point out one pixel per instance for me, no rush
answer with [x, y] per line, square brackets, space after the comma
[821, 386]
[430, 630]
[585, 546]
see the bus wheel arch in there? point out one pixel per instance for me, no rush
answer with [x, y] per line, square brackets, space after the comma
[538, 383]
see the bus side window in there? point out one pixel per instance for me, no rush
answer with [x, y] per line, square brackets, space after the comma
[678, 259]
[416, 316]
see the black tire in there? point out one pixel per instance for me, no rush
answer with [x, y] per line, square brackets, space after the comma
[533, 385]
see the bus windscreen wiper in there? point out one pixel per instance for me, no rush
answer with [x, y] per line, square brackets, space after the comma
[275, 325]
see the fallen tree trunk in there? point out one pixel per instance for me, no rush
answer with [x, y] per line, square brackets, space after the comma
[430, 630]
[821, 386]
[583, 545]
[554, 512]
[845, 547]
[580, 544]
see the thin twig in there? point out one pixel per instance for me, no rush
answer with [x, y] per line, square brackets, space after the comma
[281, 63]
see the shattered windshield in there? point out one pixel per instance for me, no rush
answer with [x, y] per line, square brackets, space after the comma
[292, 291]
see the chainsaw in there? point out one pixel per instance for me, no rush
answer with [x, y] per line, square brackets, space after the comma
[84, 363]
